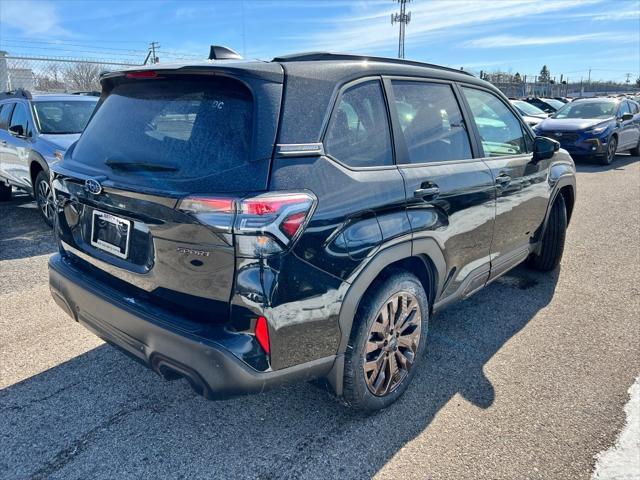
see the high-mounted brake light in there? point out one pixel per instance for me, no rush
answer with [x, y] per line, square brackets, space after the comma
[142, 74]
[262, 334]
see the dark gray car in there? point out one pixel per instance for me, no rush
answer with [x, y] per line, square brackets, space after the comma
[35, 131]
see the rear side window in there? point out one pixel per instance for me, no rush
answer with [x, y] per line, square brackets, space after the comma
[174, 129]
[431, 122]
[500, 130]
[358, 133]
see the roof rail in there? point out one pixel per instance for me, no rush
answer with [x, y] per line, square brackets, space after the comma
[90, 93]
[317, 56]
[17, 93]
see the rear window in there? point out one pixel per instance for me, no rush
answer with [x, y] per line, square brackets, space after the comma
[170, 129]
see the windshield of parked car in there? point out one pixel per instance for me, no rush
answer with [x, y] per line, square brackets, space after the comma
[525, 108]
[587, 109]
[557, 104]
[64, 116]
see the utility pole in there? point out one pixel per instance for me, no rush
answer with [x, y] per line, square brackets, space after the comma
[589, 79]
[151, 56]
[403, 18]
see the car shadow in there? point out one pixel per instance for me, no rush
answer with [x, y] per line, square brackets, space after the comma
[101, 415]
[23, 233]
[620, 161]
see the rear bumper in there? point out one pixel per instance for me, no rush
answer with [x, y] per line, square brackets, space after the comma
[211, 369]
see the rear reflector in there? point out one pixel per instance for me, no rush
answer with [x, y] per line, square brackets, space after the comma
[262, 334]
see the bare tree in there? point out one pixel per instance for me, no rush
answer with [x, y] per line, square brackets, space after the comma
[83, 76]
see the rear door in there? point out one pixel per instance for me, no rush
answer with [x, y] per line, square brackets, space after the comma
[153, 141]
[521, 183]
[450, 193]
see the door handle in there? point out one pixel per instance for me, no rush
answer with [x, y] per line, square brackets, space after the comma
[430, 191]
[503, 179]
[3, 143]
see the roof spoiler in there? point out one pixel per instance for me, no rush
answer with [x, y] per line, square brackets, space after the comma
[217, 52]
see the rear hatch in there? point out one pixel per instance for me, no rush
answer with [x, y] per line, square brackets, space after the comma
[157, 137]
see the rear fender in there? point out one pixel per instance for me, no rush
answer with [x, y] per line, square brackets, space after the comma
[363, 278]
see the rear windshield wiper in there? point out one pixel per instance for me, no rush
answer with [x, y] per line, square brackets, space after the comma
[137, 166]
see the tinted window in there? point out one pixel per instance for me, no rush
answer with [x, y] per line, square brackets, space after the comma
[358, 133]
[20, 117]
[64, 117]
[431, 121]
[5, 113]
[500, 130]
[189, 129]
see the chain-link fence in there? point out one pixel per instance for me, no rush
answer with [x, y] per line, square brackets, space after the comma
[50, 74]
[516, 86]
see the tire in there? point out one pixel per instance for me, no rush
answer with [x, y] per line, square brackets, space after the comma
[612, 146]
[5, 192]
[370, 388]
[44, 199]
[552, 240]
[635, 151]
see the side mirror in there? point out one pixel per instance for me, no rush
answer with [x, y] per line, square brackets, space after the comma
[17, 130]
[627, 116]
[544, 148]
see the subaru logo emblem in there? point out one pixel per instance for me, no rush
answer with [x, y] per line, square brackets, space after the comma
[558, 134]
[92, 186]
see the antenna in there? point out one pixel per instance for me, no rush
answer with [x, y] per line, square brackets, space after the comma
[403, 18]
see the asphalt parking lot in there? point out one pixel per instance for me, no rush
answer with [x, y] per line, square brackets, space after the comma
[527, 379]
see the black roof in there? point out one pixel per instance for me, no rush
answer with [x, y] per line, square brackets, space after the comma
[324, 56]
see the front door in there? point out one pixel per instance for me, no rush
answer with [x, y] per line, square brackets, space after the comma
[15, 158]
[521, 183]
[450, 194]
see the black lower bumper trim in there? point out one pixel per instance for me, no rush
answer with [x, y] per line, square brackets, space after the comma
[211, 369]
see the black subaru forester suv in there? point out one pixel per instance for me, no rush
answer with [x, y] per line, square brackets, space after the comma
[246, 224]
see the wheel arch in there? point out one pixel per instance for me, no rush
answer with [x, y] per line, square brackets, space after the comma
[36, 165]
[424, 259]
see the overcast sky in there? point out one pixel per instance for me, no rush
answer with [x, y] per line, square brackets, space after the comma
[570, 36]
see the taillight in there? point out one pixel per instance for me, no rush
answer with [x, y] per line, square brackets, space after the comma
[217, 212]
[264, 224]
